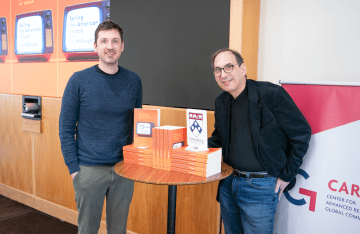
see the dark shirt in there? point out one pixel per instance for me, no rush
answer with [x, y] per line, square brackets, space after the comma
[104, 73]
[242, 154]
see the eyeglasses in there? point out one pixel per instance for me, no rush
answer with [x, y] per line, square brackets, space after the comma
[227, 69]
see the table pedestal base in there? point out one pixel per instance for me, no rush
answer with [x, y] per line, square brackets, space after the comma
[171, 209]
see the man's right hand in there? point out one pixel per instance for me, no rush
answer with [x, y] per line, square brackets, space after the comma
[73, 175]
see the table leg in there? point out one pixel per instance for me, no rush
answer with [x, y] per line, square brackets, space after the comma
[171, 209]
[220, 223]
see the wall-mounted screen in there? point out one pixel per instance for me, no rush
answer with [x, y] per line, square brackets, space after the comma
[3, 40]
[169, 45]
[34, 36]
[80, 23]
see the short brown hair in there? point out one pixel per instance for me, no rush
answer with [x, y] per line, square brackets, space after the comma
[108, 25]
[239, 58]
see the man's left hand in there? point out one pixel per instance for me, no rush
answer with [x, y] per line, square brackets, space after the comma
[280, 184]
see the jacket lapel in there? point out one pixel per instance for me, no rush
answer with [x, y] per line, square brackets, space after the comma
[254, 112]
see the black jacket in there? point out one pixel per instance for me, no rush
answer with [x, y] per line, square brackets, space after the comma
[280, 132]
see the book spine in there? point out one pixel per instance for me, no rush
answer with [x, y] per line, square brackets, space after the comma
[154, 149]
[161, 161]
[167, 149]
[157, 153]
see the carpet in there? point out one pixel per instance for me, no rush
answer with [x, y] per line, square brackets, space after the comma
[16, 218]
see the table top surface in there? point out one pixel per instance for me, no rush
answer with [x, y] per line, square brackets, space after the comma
[151, 175]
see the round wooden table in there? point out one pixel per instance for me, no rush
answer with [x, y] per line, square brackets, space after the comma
[151, 175]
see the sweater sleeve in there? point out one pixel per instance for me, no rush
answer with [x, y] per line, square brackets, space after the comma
[67, 123]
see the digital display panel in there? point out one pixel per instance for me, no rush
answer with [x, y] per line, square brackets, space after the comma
[29, 35]
[80, 27]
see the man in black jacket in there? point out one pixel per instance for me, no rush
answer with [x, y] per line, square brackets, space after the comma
[263, 136]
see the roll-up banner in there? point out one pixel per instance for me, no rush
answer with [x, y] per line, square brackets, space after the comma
[326, 196]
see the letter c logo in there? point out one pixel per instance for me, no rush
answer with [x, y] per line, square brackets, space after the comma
[303, 191]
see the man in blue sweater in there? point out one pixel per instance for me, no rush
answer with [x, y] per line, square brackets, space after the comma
[96, 121]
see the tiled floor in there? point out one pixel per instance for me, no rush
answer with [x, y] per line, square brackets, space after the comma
[16, 218]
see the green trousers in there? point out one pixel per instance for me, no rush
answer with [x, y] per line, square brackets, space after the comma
[92, 185]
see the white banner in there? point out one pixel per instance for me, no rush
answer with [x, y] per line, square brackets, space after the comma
[326, 196]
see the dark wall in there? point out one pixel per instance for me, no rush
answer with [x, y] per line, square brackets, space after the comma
[168, 43]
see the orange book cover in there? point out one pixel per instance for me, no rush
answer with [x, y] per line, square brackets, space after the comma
[176, 138]
[188, 158]
[132, 148]
[202, 154]
[189, 163]
[144, 122]
[144, 163]
[138, 159]
[136, 155]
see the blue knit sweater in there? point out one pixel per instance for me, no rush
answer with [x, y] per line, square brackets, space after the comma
[99, 110]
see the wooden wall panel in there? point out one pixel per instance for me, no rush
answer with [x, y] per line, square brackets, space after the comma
[250, 38]
[53, 182]
[170, 116]
[244, 32]
[197, 210]
[148, 209]
[236, 19]
[31, 125]
[15, 146]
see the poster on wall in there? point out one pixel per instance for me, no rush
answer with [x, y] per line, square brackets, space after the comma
[43, 43]
[5, 47]
[326, 196]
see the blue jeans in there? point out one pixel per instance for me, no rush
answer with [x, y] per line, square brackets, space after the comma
[248, 205]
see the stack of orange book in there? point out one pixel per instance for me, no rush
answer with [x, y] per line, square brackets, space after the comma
[136, 155]
[204, 163]
[166, 138]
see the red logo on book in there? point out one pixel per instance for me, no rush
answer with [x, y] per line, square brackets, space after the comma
[196, 123]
